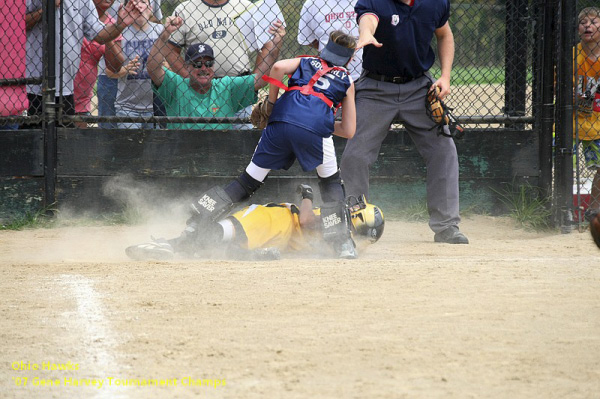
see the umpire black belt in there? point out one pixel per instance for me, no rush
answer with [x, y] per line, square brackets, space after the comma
[392, 79]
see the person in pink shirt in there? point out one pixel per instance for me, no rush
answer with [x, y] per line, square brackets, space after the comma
[13, 99]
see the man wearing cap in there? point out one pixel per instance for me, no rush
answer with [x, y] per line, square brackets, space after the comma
[201, 94]
[396, 36]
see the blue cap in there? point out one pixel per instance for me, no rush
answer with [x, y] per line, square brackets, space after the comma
[336, 54]
[198, 50]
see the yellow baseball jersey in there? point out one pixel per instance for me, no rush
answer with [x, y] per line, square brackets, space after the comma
[273, 225]
[588, 79]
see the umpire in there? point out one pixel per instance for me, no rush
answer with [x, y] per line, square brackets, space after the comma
[396, 36]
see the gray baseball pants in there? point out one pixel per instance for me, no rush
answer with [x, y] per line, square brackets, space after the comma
[377, 105]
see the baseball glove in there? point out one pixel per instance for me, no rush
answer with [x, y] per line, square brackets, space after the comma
[440, 114]
[260, 113]
[436, 108]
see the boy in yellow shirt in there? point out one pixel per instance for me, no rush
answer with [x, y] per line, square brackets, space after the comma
[588, 87]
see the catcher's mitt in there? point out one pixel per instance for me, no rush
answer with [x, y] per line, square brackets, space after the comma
[440, 114]
[260, 113]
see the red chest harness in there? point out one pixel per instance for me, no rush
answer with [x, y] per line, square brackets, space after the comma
[308, 88]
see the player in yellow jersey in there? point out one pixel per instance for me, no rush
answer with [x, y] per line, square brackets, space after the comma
[264, 231]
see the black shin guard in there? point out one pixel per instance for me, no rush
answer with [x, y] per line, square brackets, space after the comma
[334, 221]
[212, 205]
[332, 189]
[336, 231]
[196, 237]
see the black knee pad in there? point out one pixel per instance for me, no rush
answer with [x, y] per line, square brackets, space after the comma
[242, 187]
[332, 189]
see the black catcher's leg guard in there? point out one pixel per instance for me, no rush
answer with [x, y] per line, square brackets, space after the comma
[334, 217]
[212, 205]
[202, 228]
[336, 231]
[332, 189]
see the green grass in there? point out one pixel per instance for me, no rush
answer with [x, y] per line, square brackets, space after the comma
[477, 75]
[415, 212]
[46, 218]
[527, 206]
[42, 218]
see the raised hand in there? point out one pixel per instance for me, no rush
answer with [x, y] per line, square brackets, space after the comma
[277, 30]
[133, 66]
[131, 11]
[173, 23]
[365, 41]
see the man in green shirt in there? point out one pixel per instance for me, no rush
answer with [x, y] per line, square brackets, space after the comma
[201, 94]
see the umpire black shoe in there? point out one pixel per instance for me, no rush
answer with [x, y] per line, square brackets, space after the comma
[451, 235]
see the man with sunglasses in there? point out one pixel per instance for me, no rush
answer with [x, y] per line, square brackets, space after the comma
[201, 94]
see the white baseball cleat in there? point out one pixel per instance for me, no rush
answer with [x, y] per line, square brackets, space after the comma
[155, 250]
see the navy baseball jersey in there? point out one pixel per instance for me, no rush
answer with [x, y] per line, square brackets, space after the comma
[405, 32]
[309, 111]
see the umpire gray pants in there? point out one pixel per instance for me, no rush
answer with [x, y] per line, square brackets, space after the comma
[377, 105]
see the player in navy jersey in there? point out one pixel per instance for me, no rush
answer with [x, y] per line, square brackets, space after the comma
[300, 127]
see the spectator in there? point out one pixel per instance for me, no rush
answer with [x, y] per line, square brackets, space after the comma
[396, 36]
[212, 22]
[91, 54]
[80, 19]
[107, 86]
[134, 96]
[13, 99]
[319, 18]
[201, 94]
[588, 91]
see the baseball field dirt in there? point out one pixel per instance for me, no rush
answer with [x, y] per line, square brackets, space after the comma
[514, 314]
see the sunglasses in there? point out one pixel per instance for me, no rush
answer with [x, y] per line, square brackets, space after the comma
[198, 64]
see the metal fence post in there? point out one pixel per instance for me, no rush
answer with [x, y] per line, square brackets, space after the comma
[545, 117]
[49, 106]
[563, 176]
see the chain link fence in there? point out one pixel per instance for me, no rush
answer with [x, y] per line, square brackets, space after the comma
[110, 85]
[506, 68]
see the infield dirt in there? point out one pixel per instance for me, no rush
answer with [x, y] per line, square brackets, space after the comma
[514, 314]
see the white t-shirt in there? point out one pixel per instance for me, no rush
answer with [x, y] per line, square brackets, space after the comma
[215, 26]
[319, 18]
[80, 19]
[135, 91]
